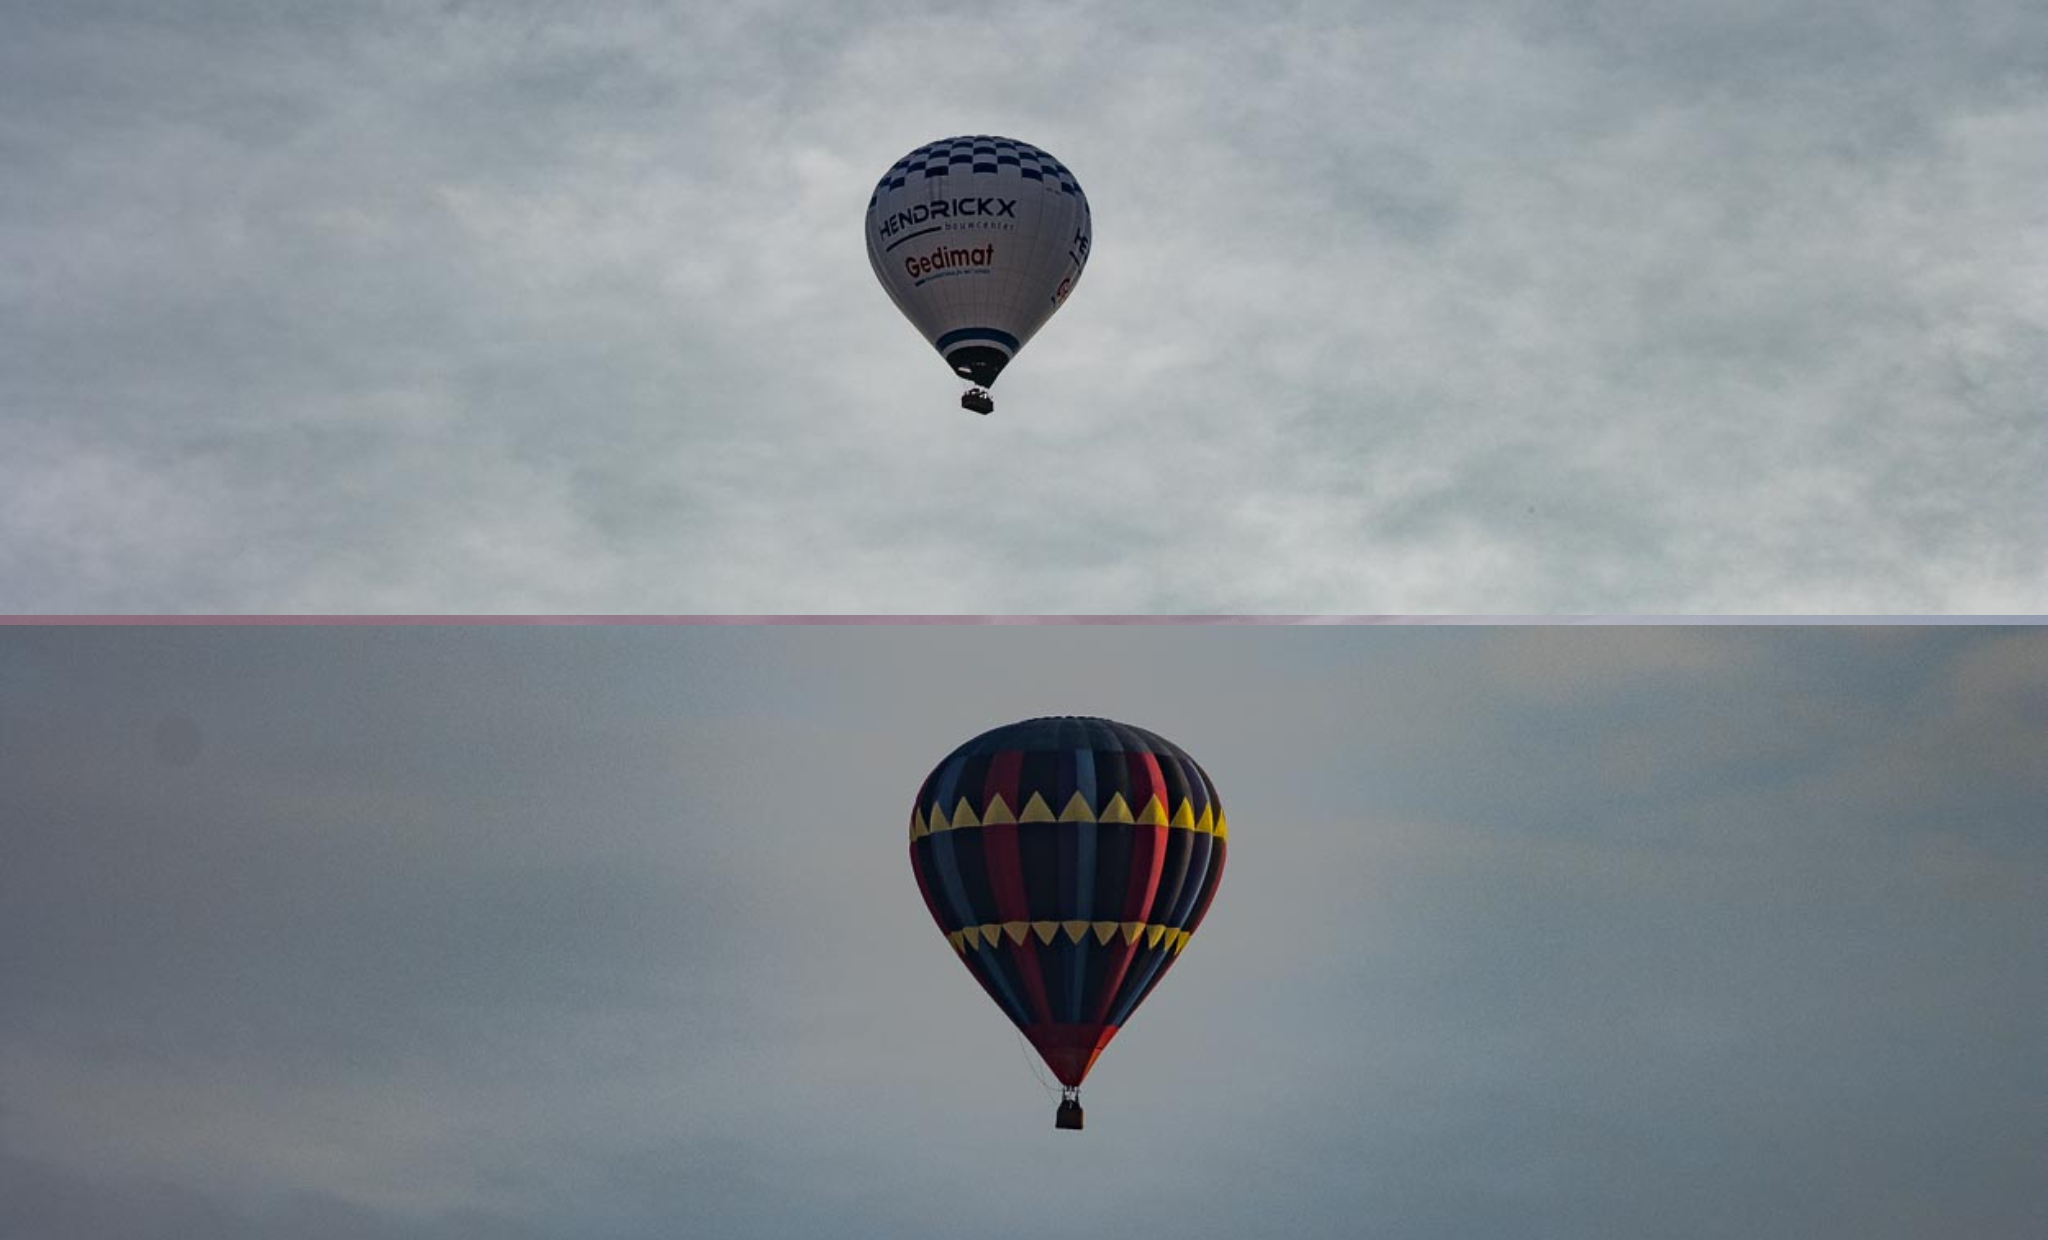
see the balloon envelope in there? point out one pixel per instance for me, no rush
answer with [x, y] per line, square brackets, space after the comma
[978, 240]
[1068, 860]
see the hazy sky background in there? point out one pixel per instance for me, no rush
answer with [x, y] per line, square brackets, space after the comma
[1503, 307]
[610, 933]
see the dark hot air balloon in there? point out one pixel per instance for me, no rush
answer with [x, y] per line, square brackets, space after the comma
[1068, 860]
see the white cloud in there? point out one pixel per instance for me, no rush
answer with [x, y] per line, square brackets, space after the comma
[1492, 309]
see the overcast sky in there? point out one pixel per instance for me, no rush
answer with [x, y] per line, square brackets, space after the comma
[1495, 306]
[400, 934]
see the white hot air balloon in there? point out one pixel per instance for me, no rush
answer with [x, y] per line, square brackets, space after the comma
[978, 240]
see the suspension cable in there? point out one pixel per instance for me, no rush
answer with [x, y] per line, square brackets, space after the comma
[1031, 1061]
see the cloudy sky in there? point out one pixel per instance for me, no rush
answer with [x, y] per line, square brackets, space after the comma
[1495, 306]
[418, 933]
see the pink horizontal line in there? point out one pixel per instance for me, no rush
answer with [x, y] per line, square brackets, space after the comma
[1836, 621]
[709, 620]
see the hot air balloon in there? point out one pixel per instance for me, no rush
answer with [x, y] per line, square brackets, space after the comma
[1068, 860]
[978, 240]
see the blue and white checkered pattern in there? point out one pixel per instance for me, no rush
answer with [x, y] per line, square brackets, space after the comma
[979, 153]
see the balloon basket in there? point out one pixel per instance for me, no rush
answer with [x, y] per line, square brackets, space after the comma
[978, 401]
[1069, 1114]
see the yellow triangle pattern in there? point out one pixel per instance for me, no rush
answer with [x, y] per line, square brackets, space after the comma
[1036, 810]
[974, 938]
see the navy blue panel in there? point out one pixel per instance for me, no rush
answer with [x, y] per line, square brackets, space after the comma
[942, 861]
[1069, 999]
[1201, 848]
[1173, 872]
[1145, 969]
[1078, 898]
[943, 878]
[1176, 774]
[1113, 774]
[1113, 846]
[1001, 976]
[1039, 771]
[1080, 768]
[1066, 901]
[1096, 964]
[1038, 853]
[943, 343]
[972, 780]
[971, 858]
[1218, 851]
[1056, 969]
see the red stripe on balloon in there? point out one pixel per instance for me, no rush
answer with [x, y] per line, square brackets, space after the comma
[1148, 857]
[1148, 841]
[1070, 1050]
[1006, 874]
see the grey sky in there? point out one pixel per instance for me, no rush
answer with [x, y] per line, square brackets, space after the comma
[1473, 307]
[609, 932]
